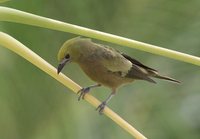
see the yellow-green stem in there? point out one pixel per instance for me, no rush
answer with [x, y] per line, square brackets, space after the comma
[17, 47]
[12, 15]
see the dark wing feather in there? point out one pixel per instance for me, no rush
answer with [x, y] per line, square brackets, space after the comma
[134, 61]
[139, 71]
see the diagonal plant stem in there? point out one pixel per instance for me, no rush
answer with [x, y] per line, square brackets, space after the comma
[12, 15]
[17, 47]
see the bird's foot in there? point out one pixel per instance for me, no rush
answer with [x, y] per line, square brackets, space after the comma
[101, 107]
[82, 92]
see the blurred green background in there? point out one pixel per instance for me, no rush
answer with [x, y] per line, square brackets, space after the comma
[35, 106]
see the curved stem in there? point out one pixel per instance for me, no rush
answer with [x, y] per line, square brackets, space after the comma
[17, 47]
[12, 15]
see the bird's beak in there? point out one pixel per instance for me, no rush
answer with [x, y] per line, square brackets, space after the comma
[62, 64]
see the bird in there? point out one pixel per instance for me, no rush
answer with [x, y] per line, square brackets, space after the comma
[104, 65]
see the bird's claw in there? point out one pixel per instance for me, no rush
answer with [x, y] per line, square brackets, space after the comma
[82, 92]
[101, 107]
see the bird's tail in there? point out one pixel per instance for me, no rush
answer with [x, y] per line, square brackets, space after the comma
[166, 78]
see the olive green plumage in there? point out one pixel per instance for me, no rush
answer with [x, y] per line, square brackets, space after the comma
[105, 65]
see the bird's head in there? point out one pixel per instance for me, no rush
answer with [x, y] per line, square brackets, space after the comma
[69, 52]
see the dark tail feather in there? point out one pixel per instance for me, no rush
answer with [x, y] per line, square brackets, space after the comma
[149, 80]
[166, 78]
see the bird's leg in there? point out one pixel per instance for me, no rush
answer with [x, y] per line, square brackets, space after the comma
[85, 90]
[103, 104]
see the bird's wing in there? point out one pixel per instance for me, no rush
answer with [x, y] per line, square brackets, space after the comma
[123, 65]
[132, 60]
[120, 65]
[136, 62]
[139, 70]
[113, 61]
[150, 72]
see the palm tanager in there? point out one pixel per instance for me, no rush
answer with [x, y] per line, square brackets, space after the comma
[105, 65]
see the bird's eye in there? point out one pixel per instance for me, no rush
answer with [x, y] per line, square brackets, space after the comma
[67, 56]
